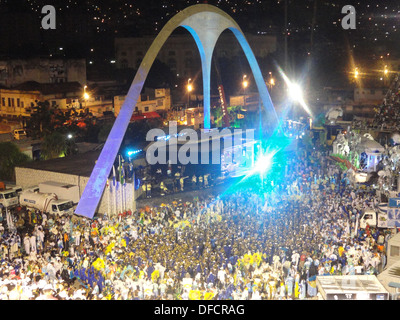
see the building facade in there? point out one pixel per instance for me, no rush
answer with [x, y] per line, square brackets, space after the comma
[15, 72]
[17, 102]
[150, 101]
[180, 52]
[369, 96]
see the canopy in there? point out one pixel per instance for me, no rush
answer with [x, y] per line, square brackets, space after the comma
[371, 146]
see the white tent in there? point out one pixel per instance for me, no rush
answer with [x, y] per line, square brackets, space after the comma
[373, 150]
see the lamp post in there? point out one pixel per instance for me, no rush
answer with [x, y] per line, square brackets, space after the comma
[271, 81]
[189, 90]
[356, 73]
[245, 84]
[386, 74]
[86, 96]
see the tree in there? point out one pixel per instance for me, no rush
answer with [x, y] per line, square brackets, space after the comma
[39, 123]
[104, 132]
[54, 146]
[10, 157]
[45, 120]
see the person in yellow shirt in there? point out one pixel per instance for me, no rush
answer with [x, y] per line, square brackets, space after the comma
[201, 181]
[194, 181]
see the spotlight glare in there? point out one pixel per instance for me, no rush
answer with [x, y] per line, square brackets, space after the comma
[295, 92]
[263, 163]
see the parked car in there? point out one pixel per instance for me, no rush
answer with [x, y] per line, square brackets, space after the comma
[19, 134]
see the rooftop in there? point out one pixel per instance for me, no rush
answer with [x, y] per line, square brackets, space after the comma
[79, 164]
[49, 88]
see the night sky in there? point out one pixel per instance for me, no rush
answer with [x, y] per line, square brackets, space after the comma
[87, 28]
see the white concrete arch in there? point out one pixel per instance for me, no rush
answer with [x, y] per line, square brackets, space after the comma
[205, 23]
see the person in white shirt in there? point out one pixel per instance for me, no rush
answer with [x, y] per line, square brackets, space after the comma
[221, 275]
[32, 241]
[27, 244]
[295, 258]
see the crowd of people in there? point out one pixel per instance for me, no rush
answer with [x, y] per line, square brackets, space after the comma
[243, 245]
[386, 115]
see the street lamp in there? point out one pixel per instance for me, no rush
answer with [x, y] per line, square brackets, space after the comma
[189, 90]
[356, 73]
[86, 95]
[245, 84]
[386, 71]
[272, 82]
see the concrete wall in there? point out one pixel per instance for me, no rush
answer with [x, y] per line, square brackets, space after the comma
[26, 177]
[43, 71]
[369, 95]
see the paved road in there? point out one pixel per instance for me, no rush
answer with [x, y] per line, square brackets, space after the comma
[5, 137]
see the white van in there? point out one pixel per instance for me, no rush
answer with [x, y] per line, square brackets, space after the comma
[19, 134]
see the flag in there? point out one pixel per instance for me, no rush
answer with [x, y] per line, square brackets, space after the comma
[312, 287]
[344, 209]
[113, 176]
[121, 173]
[194, 295]
[123, 180]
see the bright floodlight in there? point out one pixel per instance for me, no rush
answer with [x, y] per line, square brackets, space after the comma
[296, 94]
[69, 136]
[263, 163]
[86, 96]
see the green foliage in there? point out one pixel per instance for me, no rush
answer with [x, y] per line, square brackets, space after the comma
[54, 146]
[340, 156]
[104, 132]
[39, 124]
[10, 157]
[45, 120]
